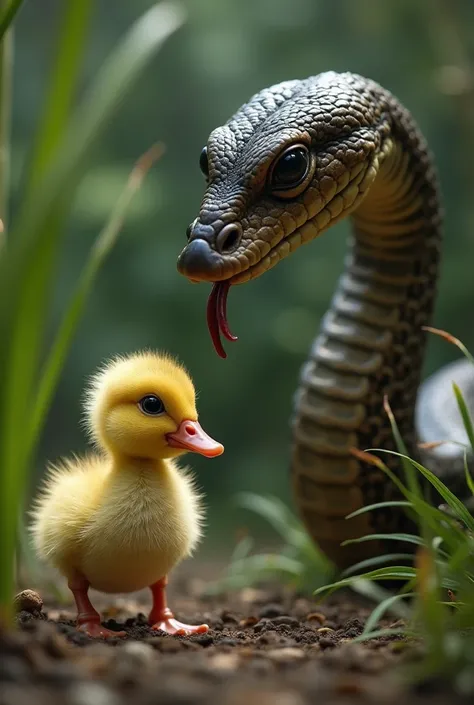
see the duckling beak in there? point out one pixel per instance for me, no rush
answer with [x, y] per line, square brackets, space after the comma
[191, 436]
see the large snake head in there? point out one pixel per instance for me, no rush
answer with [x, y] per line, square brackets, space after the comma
[291, 162]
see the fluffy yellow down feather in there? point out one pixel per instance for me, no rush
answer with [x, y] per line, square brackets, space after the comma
[123, 517]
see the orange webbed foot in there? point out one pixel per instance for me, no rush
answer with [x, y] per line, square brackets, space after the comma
[97, 631]
[172, 626]
[161, 617]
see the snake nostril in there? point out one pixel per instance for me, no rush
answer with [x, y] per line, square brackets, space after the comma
[229, 238]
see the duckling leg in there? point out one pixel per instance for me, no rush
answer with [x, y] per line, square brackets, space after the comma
[162, 618]
[88, 619]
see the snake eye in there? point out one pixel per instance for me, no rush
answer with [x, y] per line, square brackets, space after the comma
[204, 163]
[151, 405]
[290, 169]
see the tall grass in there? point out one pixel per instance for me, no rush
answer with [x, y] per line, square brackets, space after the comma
[438, 586]
[30, 368]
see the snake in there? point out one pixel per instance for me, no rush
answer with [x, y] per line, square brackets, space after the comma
[294, 160]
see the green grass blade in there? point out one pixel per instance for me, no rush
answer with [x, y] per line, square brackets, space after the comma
[456, 505]
[101, 248]
[385, 632]
[249, 570]
[428, 605]
[458, 559]
[434, 516]
[6, 71]
[62, 88]
[276, 514]
[452, 534]
[410, 476]
[370, 589]
[241, 551]
[7, 15]
[71, 43]
[467, 474]
[379, 505]
[451, 339]
[268, 563]
[383, 607]
[388, 573]
[376, 560]
[466, 417]
[406, 538]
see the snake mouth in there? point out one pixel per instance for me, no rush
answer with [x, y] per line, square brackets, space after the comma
[312, 228]
[217, 303]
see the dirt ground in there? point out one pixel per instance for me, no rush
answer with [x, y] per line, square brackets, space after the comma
[264, 647]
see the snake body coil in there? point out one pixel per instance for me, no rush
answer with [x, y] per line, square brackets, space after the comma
[290, 163]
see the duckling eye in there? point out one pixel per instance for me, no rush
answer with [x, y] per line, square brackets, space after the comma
[151, 405]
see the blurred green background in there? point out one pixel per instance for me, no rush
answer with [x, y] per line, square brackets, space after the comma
[423, 52]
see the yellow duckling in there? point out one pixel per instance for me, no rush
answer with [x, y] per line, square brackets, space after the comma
[120, 519]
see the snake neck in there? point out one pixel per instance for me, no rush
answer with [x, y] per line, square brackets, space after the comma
[371, 344]
[389, 285]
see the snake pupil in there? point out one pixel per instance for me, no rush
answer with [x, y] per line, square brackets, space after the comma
[291, 168]
[204, 162]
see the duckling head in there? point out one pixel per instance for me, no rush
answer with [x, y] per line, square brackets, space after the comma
[144, 406]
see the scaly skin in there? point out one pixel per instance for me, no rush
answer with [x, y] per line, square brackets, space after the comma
[369, 160]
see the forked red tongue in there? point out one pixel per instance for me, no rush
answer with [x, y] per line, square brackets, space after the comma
[217, 316]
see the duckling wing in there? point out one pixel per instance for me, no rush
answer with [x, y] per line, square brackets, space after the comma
[70, 495]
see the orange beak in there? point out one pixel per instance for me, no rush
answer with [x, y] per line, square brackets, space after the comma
[190, 436]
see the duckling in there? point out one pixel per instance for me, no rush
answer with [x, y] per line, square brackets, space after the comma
[119, 519]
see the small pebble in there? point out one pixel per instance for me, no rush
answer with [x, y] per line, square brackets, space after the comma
[248, 622]
[59, 674]
[14, 669]
[348, 685]
[165, 644]
[229, 617]
[326, 643]
[227, 641]
[28, 601]
[260, 666]
[271, 610]
[286, 619]
[204, 639]
[353, 627]
[139, 651]
[286, 655]
[262, 625]
[224, 663]
[92, 694]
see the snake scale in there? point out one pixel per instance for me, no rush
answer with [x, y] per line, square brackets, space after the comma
[294, 160]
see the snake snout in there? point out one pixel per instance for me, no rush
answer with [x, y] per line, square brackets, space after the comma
[199, 261]
[203, 258]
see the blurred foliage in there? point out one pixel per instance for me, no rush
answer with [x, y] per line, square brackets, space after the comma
[29, 369]
[226, 52]
[299, 563]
